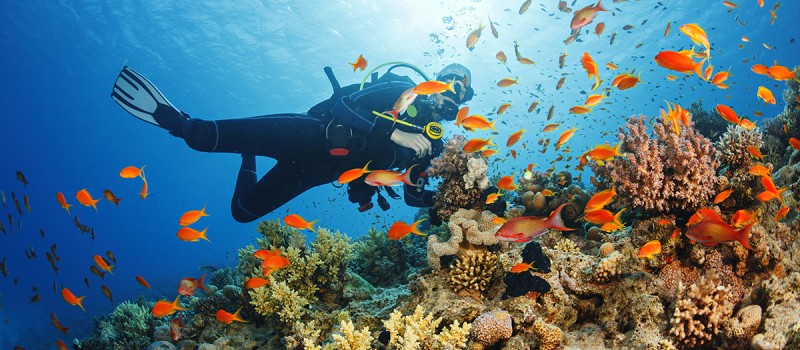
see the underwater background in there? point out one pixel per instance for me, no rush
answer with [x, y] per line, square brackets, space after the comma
[231, 59]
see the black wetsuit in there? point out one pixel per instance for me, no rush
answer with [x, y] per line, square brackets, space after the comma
[300, 144]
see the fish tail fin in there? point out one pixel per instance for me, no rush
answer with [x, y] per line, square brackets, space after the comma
[201, 283]
[556, 222]
[177, 303]
[394, 113]
[406, 177]
[203, 235]
[141, 172]
[450, 86]
[365, 169]
[80, 303]
[743, 236]
[203, 211]
[355, 65]
[66, 207]
[415, 229]
[237, 317]
[491, 125]
[618, 217]
[311, 225]
[599, 7]
[698, 68]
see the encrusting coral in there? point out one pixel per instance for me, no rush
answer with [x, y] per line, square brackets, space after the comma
[549, 335]
[660, 173]
[489, 328]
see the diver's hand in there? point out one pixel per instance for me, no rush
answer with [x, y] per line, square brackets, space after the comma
[417, 142]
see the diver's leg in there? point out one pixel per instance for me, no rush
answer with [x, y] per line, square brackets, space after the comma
[280, 185]
[276, 136]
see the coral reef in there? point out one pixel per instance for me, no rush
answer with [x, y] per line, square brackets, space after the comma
[549, 335]
[419, 331]
[470, 229]
[608, 268]
[700, 311]
[662, 173]
[710, 124]
[490, 328]
[476, 174]
[525, 282]
[452, 167]
[127, 327]
[384, 262]
[732, 146]
[472, 272]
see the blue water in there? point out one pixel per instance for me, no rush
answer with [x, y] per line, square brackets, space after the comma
[218, 60]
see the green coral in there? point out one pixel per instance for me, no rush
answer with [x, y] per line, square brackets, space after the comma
[127, 327]
[384, 262]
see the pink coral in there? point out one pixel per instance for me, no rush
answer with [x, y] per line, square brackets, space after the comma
[662, 172]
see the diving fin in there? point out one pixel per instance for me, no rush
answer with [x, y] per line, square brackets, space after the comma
[139, 97]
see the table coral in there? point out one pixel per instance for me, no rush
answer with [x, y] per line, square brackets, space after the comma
[662, 172]
[700, 311]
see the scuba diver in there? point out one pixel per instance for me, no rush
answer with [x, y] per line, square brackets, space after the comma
[346, 131]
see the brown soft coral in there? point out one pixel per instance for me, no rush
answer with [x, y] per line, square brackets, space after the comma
[664, 172]
[700, 311]
[452, 166]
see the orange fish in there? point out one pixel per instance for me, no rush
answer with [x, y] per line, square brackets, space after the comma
[353, 174]
[360, 63]
[697, 34]
[598, 29]
[111, 197]
[63, 202]
[551, 127]
[601, 199]
[525, 228]
[143, 282]
[71, 299]
[548, 193]
[649, 249]
[490, 199]
[711, 231]
[57, 324]
[102, 263]
[488, 153]
[521, 267]
[188, 286]
[795, 143]
[389, 177]
[679, 62]
[130, 172]
[503, 108]
[165, 308]
[227, 318]
[760, 69]
[400, 229]
[61, 345]
[192, 216]
[565, 136]
[514, 138]
[611, 66]
[473, 36]
[434, 87]
[403, 102]
[755, 152]
[477, 144]
[730, 4]
[720, 77]
[770, 187]
[86, 199]
[188, 234]
[256, 282]
[604, 153]
[506, 183]
[781, 213]
[782, 73]
[585, 16]
[498, 220]
[765, 95]
[176, 327]
[477, 122]
[274, 262]
[722, 196]
[626, 81]
[506, 82]
[760, 3]
[462, 113]
[727, 113]
[299, 223]
[747, 124]
[579, 110]
[598, 216]
[501, 56]
[525, 60]
[591, 69]
[759, 170]
[144, 192]
[672, 77]
[742, 217]
[594, 100]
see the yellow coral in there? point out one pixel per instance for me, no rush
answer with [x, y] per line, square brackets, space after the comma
[278, 299]
[473, 271]
[609, 267]
[567, 245]
[549, 335]
[418, 331]
[350, 338]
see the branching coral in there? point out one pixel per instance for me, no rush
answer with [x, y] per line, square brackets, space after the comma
[418, 331]
[609, 267]
[350, 338]
[127, 327]
[384, 262]
[472, 272]
[278, 299]
[451, 166]
[664, 172]
[700, 311]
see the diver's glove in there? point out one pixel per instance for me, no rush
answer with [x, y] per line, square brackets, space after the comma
[417, 142]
